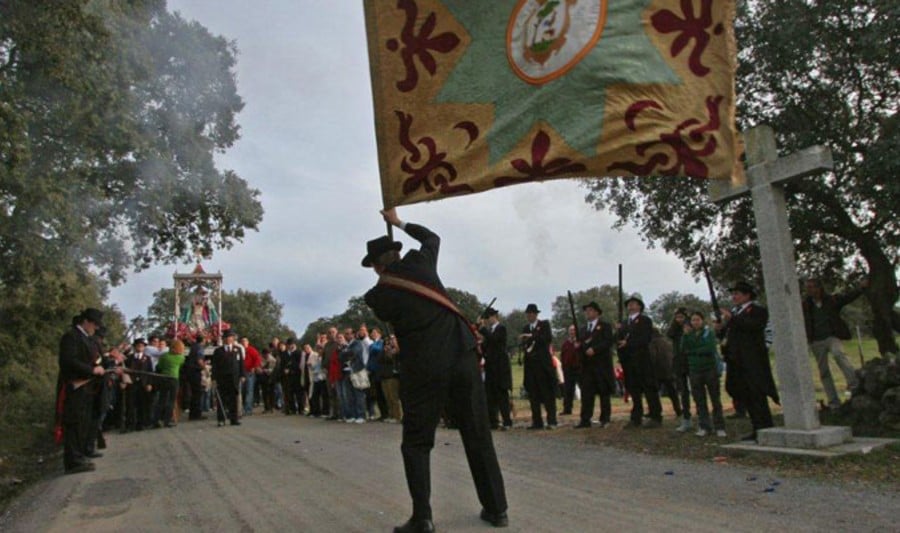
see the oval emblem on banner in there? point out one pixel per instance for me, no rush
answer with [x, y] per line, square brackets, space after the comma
[546, 38]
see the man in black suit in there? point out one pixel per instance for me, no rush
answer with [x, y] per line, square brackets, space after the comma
[540, 376]
[79, 364]
[497, 371]
[597, 377]
[749, 375]
[228, 371]
[634, 353]
[438, 370]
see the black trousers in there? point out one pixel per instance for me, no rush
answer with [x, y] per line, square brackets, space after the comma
[228, 393]
[497, 405]
[593, 384]
[684, 392]
[572, 377]
[756, 401]
[641, 382]
[541, 388]
[671, 390]
[76, 424]
[427, 387]
[196, 405]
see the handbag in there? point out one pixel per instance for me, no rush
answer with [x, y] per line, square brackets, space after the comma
[360, 379]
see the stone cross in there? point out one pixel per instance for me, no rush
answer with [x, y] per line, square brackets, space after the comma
[766, 176]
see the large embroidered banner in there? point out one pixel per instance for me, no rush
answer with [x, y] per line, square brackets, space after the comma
[474, 95]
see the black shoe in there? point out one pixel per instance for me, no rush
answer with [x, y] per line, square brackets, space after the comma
[81, 467]
[634, 424]
[749, 438]
[582, 425]
[495, 519]
[416, 526]
[567, 412]
[101, 442]
[736, 416]
[534, 426]
[93, 455]
[652, 424]
[235, 422]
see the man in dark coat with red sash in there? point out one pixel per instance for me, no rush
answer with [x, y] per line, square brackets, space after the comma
[749, 373]
[438, 370]
[79, 364]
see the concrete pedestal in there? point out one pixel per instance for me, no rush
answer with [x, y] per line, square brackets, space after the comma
[822, 437]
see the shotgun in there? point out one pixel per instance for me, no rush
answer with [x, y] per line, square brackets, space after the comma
[572, 310]
[712, 291]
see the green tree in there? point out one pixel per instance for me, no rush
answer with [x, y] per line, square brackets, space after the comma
[833, 83]
[662, 310]
[111, 113]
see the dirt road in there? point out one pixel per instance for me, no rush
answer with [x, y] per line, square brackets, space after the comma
[277, 473]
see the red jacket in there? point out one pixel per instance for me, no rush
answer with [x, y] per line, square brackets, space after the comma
[252, 359]
[570, 355]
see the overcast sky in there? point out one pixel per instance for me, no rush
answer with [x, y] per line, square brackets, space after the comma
[308, 145]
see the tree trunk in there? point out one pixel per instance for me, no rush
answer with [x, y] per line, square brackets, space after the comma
[882, 293]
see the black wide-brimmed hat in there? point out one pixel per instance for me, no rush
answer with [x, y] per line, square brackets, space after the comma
[744, 287]
[532, 308]
[229, 333]
[93, 315]
[635, 299]
[489, 312]
[139, 340]
[378, 246]
[592, 305]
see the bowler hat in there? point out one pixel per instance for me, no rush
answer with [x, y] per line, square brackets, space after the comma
[744, 287]
[635, 299]
[489, 312]
[376, 247]
[532, 308]
[93, 315]
[592, 305]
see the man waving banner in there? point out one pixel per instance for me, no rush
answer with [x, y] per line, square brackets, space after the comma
[471, 96]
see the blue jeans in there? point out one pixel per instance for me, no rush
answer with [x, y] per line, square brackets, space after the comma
[353, 400]
[249, 386]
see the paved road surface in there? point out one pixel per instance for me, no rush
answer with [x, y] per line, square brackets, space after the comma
[276, 473]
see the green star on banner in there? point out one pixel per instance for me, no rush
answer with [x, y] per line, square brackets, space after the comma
[474, 96]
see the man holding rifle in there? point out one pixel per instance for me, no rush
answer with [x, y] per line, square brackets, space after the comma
[497, 371]
[79, 364]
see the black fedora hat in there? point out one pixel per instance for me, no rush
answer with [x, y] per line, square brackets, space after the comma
[229, 333]
[744, 287]
[93, 315]
[592, 305]
[532, 308]
[635, 299]
[489, 312]
[139, 340]
[378, 246]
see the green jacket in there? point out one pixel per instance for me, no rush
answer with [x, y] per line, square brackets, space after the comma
[170, 365]
[700, 349]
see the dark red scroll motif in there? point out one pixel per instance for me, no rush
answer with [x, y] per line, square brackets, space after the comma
[537, 169]
[419, 45]
[428, 168]
[690, 27]
[688, 160]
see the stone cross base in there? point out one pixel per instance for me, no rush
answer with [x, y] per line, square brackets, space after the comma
[822, 437]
